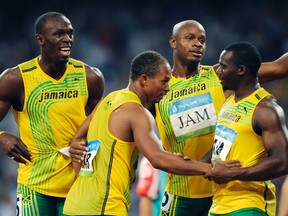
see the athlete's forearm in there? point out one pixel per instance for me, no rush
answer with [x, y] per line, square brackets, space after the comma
[265, 170]
[180, 165]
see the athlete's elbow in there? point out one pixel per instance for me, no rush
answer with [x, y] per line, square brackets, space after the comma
[159, 163]
[281, 167]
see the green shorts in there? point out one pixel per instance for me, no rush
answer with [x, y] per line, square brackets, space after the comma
[31, 203]
[173, 205]
[243, 212]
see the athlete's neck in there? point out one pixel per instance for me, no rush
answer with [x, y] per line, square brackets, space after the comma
[133, 87]
[245, 91]
[185, 71]
[53, 69]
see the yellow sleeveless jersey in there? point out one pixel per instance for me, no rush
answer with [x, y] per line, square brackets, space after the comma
[53, 111]
[186, 119]
[108, 172]
[235, 139]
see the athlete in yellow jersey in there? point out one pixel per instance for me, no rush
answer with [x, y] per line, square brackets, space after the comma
[186, 119]
[186, 115]
[45, 98]
[120, 127]
[50, 95]
[109, 176]
[250, 128]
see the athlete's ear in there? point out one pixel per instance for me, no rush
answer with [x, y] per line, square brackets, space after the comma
[242, 70]
[143, 79]
[173, 42]
[39, 39]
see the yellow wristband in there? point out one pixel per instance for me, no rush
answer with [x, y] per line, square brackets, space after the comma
[2, 132]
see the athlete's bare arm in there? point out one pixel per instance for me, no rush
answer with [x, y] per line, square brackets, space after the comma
[12, 94]
[96, 83]
[148, 143]
[78, 146]
[274, 70]
[275, 140]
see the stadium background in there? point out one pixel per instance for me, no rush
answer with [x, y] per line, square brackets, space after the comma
[108, 34]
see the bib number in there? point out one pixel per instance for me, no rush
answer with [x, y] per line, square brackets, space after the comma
[166, 201]
[87, 166]
[224, 138]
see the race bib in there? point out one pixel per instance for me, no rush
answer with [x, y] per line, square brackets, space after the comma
[193, 116]
[166, 201]
[87, 167]
[19, 205]
[224, 138]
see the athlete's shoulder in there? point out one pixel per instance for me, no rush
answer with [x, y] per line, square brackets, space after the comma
[94, 71]
[14, 73]
[11, 84]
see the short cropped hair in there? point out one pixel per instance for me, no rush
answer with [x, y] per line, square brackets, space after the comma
[245, 53]
[148, 63]
[41, 21]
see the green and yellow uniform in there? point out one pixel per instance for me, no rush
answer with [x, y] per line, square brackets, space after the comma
[186, 119]
[108, 171]
[53, 111]
[235, 139]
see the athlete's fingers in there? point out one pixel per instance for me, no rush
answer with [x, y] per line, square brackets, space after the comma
[187, 158]
[20, 153]
[231, 163]
[77, 153]
[17, 158]
[178, 154]
[78, 146]
[24, 151]
[77, 161]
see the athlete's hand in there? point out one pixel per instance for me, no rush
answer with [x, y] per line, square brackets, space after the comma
[77, 150]
[15, 148]
[182, 156]
[231, 163]
[223, 171]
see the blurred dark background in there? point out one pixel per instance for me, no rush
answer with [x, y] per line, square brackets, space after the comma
[108, 34]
